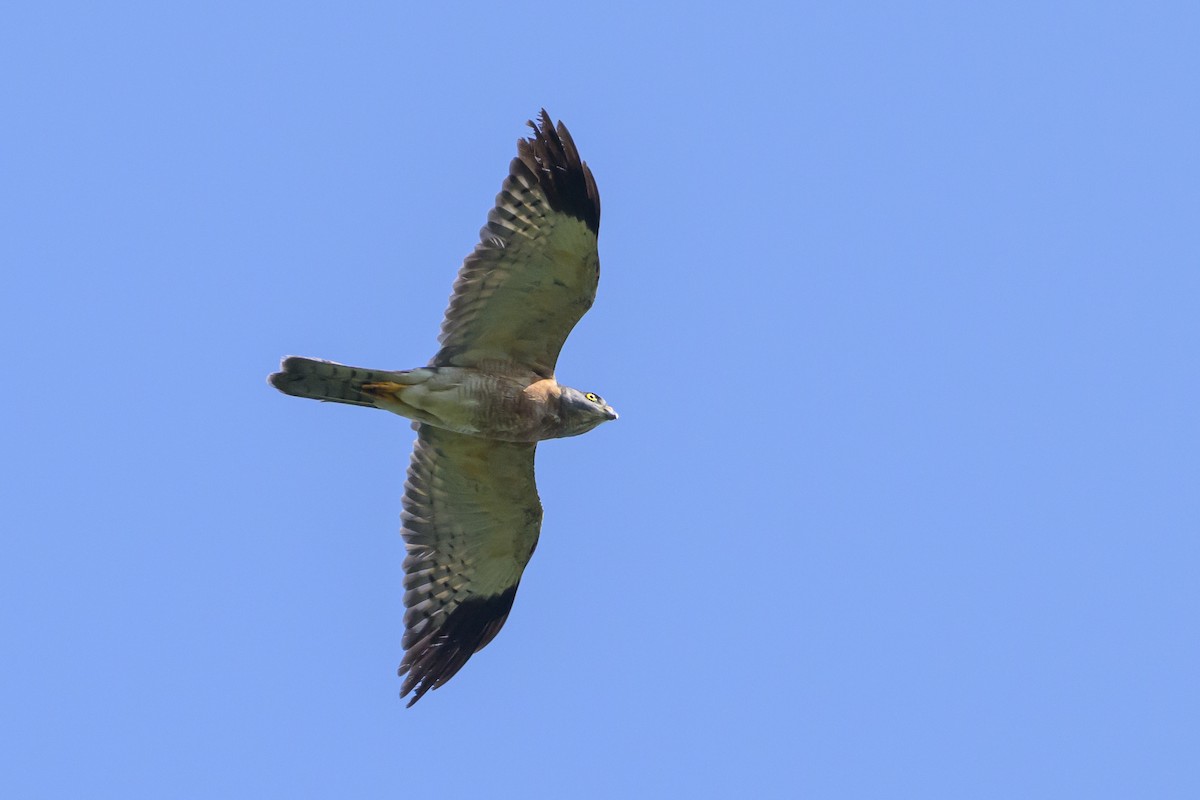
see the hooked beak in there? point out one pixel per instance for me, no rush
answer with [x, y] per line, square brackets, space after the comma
[609, 413]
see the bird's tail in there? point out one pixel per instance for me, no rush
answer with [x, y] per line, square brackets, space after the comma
[326, 380]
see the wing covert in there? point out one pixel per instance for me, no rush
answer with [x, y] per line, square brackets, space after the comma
[471, 520]
[534, 273]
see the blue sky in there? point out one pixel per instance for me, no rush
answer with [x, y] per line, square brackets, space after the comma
[899, 307]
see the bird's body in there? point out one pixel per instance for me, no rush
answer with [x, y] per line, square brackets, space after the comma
[507, 405]
[471, 511]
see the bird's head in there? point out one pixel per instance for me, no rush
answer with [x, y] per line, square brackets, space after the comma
[582, 411]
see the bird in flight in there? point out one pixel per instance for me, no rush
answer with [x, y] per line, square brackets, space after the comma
[471, 513]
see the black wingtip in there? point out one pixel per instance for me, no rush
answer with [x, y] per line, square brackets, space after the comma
[435, 658]
[550, 154]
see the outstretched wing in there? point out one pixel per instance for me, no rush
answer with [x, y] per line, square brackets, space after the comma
[471, 521]
[534, 272]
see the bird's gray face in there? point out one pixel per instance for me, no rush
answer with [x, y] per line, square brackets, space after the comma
[582, 411]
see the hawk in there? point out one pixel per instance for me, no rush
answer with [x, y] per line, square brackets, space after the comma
[471, 513]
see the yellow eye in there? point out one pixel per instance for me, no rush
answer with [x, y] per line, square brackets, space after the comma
[592, 397]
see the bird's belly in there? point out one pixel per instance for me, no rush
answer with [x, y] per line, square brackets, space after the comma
[467, 401]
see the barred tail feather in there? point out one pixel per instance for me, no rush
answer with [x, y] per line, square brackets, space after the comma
[327, 380]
